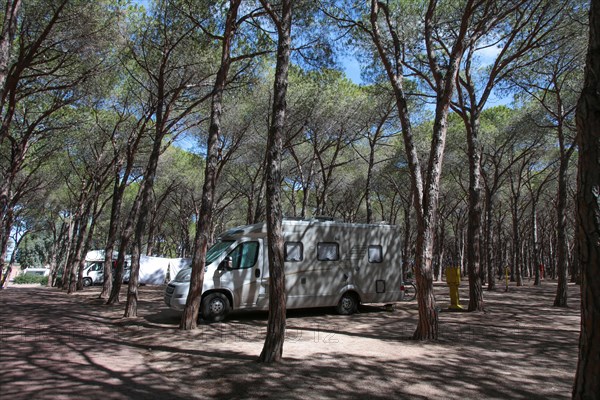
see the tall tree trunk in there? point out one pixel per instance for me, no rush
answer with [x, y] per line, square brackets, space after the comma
[560, 300]
[68, 254]
[115, 212]
[273, 347]
[406, 243]
[440, 252]
[535, 244]
[145, 202]
[192, 307]
[460, 250]
[371, 163]
[57, 242]
[6, 222]
[575, 266]
[426, 191]
[140, 226]
[489, 245]
[475, 207]
[9, 28]
[587, 384]
[124, 240]
[78, 259]
[86, 244]
[516, 274]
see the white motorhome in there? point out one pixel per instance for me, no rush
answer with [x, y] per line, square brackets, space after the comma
[327, 263]
[93, 273]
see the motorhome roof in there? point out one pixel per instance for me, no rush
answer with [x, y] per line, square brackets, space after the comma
[261, 228]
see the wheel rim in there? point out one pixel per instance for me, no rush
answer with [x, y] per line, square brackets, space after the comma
[347, 303]
[216, 306]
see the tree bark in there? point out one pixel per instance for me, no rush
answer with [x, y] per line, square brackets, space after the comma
[406, 242]
[273, 347]
[587, 384]
[144, 214]
[489, 246]
[146, 199]
[515, 271]
[426, 191]
[78, 259]
[475, 212]
[535, 243]
[192, 307]
[115, 212]
[125, 238]
[9, 29]
[560, 299]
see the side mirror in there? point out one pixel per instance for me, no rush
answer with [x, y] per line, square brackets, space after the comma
[226, 264]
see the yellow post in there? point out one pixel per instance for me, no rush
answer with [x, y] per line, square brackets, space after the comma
[507, 273]
[453, 281]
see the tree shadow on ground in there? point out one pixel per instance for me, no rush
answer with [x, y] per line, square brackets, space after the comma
[58, 346]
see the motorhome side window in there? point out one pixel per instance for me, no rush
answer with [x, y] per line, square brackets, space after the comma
[244, 256]
[375, 254]
[294, 251]
[328, 251]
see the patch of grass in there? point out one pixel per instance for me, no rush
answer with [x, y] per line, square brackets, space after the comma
[31, 278]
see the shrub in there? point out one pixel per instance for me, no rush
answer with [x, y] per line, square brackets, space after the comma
[31, 278]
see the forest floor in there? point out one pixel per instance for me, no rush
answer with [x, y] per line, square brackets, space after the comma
[55, 346]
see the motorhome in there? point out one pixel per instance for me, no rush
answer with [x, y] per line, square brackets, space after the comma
[326, 263]
[37, 271]
[93, 273]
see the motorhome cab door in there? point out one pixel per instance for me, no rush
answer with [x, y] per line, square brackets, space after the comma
[243, 272]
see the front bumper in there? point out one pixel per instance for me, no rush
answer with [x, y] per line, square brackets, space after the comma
[176, 295]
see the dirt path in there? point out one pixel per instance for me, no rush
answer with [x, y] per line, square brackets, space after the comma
[54, 346]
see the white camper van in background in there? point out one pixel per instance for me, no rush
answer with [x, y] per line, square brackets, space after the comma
[327, 263]
[93, 273]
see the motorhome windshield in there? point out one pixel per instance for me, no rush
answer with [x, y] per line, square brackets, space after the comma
[216, 250]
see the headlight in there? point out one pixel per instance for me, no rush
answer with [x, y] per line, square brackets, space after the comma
[184, 275]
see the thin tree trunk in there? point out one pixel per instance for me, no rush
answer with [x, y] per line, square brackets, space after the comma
[371, 163]
[192, 307]
[273, 347]
[535, 244]
[115, 212]
[124, 240]
[144, 211]
[575, 266]
[440, 255]
[517, 259]
[6, 222]
[68, 258]
[7, 36]
[489, 245]
[407, 242]
[560, 299]
[78, 257]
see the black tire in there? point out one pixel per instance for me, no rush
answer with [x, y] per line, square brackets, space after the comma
[410, 291]
[348, 304]
[215, 307]
[87, 282]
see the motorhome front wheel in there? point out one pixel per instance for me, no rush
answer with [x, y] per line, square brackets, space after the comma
[348, 304]
[215, 307]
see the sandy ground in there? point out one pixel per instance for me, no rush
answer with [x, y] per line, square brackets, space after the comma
[55, 346]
